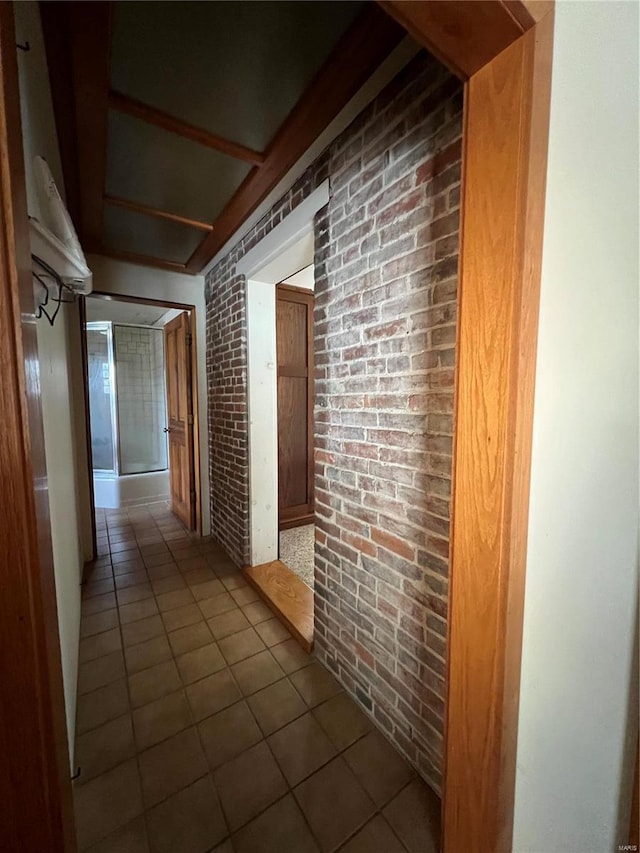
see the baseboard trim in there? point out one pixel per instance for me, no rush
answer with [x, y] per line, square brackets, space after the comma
[288, 523]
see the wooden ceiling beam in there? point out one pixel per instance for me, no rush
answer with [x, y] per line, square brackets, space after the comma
[362, 49]
[57, 42]
[134, 206]
[89, 26]
[130, 106]
[142, 260]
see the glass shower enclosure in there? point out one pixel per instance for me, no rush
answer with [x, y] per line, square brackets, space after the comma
[127, 399]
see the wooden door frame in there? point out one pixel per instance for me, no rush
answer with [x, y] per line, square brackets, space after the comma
[503, 51]
[634, 829]
[281, 287]
[179, 306]
[35, 784]
[84, 354]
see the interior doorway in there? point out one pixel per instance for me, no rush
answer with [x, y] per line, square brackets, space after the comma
[141, 404]
[281, 419]
[294, 342]
[284, 256]
[294, 347]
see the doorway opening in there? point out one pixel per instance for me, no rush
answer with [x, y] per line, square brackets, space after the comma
[141, 406]
[294, 347]
[279, 304]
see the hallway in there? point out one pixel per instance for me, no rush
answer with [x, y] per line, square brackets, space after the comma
[202, 726]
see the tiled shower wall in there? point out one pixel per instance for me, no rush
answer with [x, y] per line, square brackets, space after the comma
[139, 363]
[100, 391]
[385, 326]
[159, 384]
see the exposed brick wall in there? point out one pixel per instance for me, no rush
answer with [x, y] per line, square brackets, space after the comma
[227, 416]
[226, 298]
[386, 271]
[385, 326]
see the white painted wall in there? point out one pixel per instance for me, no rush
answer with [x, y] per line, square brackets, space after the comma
[305, 278]
[118, 277]
[579, 681]
[60, 366]
[263, 421]
[63, 473]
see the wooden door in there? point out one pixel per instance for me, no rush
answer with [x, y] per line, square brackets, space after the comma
[177, 346]
[294, 337]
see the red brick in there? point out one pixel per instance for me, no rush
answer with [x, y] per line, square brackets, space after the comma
[360, 544]
[393, 543]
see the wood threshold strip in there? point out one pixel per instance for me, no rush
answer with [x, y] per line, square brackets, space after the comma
[298, 521]
[362, 49]
[136, 207]
[287, 595]
[151, 115]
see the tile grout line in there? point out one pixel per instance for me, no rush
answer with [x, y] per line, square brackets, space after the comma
[194, 723]
[128, 689]
[244, 698]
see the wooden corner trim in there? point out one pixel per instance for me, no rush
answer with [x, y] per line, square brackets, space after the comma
[463, 34]
[505, 148]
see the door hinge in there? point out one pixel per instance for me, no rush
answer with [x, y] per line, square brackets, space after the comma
[189, 419]
[188, 338]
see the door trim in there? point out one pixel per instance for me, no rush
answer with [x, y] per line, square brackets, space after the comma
[504, 55]
[35, 787]
[273, 259]
[82, 319]
[296, 516]
[180, 306]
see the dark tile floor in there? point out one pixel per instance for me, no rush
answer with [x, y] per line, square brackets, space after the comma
[203, 726]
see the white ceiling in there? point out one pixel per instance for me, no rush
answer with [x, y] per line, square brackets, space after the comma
[110, 310]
